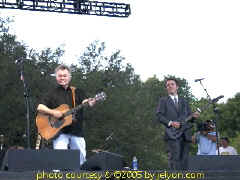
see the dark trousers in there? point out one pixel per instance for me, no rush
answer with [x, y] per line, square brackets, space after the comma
[178, 154]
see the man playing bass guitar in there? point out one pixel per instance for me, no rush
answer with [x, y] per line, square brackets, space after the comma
[63, 94]
[171, 111]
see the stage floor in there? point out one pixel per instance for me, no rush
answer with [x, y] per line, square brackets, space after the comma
[86, 175]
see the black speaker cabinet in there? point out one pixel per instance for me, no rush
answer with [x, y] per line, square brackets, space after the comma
[103, 161]
[29, 160]
[214, 162]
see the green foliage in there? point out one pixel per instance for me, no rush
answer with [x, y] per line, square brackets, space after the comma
[128, 112]
[230, 116]
[13, 111]
[235, 142]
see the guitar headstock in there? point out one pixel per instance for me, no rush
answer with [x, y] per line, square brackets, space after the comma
[101, 96]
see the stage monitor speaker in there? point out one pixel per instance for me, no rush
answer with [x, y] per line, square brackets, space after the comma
[214, 162]
[103, 161]
[48, 159]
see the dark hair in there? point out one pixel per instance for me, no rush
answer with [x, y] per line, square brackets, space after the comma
[225, 138]
[171, 79]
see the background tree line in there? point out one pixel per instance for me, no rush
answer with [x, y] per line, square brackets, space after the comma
[128, 112]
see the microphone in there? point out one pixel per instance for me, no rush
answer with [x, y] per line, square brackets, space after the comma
[109, 137]
[43, 73]
[196, 80]
[217, 99]
[19, 60]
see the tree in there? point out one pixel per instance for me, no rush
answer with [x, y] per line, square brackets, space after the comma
[13, 60]
[128, 112]
[230, 116]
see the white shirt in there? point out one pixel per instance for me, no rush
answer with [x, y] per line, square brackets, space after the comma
[172, 97]
[227, 151]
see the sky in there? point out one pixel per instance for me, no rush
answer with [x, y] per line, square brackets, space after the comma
[190, 39]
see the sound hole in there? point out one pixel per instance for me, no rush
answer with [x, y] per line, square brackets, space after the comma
[55, 123]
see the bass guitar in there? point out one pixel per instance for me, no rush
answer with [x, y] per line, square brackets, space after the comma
[175, 133]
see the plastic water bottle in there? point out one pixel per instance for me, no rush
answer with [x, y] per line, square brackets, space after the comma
[135, 163]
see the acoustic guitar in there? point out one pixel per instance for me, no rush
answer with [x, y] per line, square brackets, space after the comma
[48, 126]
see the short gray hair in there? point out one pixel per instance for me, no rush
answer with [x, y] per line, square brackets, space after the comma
[63, 67]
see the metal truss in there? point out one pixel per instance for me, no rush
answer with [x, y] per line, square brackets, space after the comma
[83, 7]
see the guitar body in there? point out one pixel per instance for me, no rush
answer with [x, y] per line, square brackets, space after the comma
[49, 126]
[174, 133]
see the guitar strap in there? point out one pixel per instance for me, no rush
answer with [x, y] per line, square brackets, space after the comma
[74, 101]
[73, 95]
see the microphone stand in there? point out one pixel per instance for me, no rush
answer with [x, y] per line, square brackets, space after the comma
[208, 96]
[106, 141]
[216, 112]
[26, 98]
[111, 139]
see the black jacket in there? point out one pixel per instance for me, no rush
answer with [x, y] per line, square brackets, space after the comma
[166, 112]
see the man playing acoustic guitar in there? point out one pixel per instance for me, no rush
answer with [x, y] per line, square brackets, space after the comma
[72, 135]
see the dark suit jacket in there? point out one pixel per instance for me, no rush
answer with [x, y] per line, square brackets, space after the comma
[166, 112]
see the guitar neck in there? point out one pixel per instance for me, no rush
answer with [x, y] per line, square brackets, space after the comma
[198, 110]
[98, 97]
[73, 110]
[188, 118]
